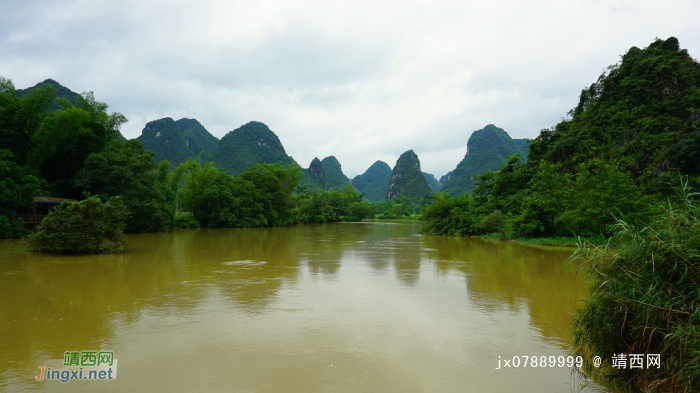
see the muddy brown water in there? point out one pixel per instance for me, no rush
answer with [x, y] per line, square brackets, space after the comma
[348, 307]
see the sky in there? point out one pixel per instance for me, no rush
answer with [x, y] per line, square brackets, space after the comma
[360, 80]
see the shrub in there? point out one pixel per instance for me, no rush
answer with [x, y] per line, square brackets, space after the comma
[88, 226]
[185, 220]
[645, 299]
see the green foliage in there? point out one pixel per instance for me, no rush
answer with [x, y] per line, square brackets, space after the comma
[487, 150]
[185, 220]
[374, 182]
[261, 196]
[275, 184]
[645, 299]
[127, 170]
[16, 190]
[407, 179]
[333, 205]
[247, 146]
[451, 216]
[88, 226]
[334, 174]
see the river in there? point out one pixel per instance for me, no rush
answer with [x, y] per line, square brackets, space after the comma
[347, 307]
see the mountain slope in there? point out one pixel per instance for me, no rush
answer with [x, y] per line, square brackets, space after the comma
[432, 182]
[407, 179]
[524, 146]
[163, 137]
[61, 92]
[334, 174]
[374, 182]
[252, 143]
[197, 138]
[487, 149]
[314, 176]
[445, 178]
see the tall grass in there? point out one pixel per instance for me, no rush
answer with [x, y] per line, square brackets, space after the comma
[645, 299]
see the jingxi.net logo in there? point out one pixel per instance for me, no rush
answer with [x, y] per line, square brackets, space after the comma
[81, 365]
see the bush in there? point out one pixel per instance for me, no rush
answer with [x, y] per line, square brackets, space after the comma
[645, 299]
[185, 220]
[88, 226]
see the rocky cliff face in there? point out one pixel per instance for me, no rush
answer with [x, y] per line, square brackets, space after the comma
[317, 173]
[407, 179]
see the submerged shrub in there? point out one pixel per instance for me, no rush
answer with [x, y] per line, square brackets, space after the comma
[88, 226]
[645, 299]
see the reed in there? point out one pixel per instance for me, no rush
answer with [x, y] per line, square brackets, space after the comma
[644, 299]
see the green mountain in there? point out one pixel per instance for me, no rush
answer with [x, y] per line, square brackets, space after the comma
[407, 179]
[61, 92]
[197, 138]
[445, 178]
[487, 150]
[163, 137]
[252, 143]
[524, 146]
[314, 176]
[334, 174]
[432, 182]
[374, 182]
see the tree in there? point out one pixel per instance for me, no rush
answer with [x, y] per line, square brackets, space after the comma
[88, 226]
[127, 170]
[16, 190]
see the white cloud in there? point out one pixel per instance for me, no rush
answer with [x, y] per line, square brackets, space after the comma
[359, 80]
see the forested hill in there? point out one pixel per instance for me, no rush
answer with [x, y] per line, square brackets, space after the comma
[374, 182]
[487, 150]
[408, 180]
[163, 137]
[61, 92]
[630, 140]
[197, 138]
[252, 143]
[334, 174]
[432, 182]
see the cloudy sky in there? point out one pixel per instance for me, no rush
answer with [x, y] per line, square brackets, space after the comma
[363, 81]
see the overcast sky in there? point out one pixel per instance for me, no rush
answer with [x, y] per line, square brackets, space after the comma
[363, 81]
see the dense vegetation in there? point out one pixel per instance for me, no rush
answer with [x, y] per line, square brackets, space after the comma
[42, 150]
[374, 182]
[253, 143]
[88, 226]
[407, 179]
[619, 153]
[645, 300]
[487, 150]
